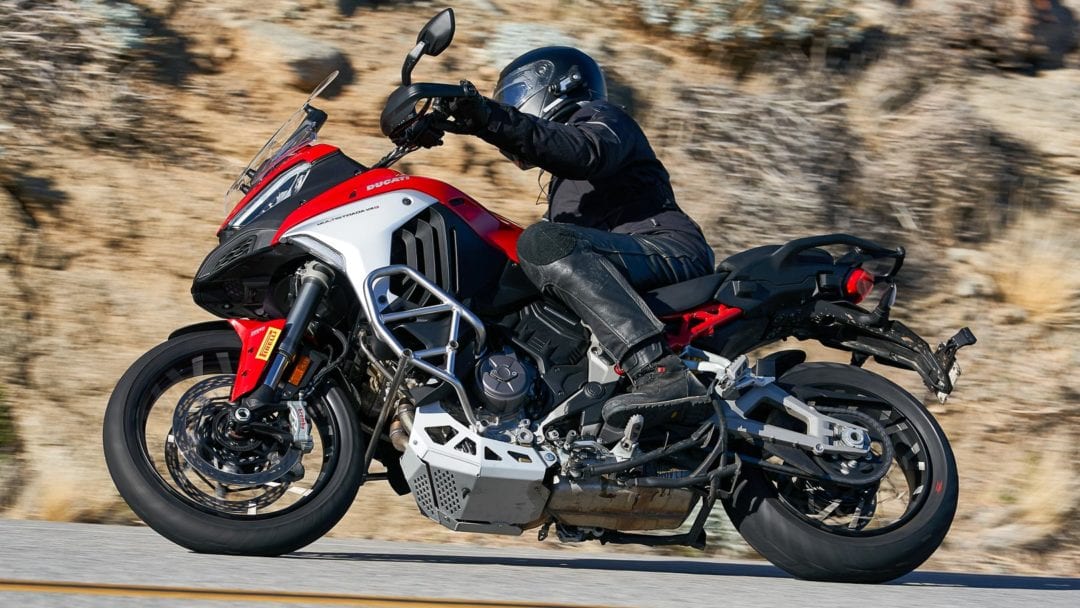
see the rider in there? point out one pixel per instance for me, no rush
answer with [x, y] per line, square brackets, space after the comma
[612, 225]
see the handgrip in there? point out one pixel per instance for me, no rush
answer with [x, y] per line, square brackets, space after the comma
[874, 250]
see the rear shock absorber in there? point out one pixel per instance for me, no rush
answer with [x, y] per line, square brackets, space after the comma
[315, 280]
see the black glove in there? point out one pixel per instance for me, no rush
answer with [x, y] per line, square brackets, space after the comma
[426, 133]
[431, 136]
[471, 112]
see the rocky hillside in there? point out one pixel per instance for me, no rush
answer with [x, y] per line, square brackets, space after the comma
[947, 126]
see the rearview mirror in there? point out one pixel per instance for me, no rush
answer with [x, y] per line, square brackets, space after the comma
[432, 40]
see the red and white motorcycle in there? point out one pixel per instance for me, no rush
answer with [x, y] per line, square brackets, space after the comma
[372, 315]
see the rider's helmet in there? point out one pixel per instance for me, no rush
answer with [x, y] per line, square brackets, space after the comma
[550, 82]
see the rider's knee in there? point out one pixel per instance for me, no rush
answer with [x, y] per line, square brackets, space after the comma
[546, 242]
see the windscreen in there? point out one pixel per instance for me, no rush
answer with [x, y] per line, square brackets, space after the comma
[298, 131]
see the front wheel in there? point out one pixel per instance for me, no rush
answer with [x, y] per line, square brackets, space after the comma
[871, 534]
[200, 483]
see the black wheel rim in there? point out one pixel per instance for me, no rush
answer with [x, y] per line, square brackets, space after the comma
[171, 472]
[875, 509]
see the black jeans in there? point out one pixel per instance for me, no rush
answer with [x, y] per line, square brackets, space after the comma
[598, 274]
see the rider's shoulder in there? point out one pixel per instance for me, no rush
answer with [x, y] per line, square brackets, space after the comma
[601, 111]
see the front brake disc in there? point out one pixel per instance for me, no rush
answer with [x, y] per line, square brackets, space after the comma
[192, 419]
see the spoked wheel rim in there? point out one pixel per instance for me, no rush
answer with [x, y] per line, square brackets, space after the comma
[205, 381]
[870, 510]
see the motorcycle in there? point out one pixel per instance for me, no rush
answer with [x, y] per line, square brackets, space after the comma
[370, 315]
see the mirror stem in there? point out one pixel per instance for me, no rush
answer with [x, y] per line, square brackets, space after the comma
[410, 63]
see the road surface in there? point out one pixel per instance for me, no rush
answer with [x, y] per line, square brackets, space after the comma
[77, 565]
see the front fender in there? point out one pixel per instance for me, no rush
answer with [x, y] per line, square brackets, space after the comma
[257, 339]
[198, 327]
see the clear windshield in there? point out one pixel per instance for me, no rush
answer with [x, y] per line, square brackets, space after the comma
[298, 131]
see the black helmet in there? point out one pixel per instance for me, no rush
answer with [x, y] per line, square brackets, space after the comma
[546, 82]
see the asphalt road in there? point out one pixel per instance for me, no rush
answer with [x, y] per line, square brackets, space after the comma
[76, 565]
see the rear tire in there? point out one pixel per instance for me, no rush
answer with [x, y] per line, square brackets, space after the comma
[808, 550]
[197, 526]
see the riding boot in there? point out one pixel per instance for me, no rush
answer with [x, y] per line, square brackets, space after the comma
[664, 391]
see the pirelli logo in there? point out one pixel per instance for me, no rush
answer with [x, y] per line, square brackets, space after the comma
[267, 346]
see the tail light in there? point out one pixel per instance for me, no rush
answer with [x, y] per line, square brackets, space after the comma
[858, 285]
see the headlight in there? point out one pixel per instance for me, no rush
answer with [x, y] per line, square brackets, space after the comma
[283, 186]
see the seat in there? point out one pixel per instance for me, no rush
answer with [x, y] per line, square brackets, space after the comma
[680, 297]
[743, 259]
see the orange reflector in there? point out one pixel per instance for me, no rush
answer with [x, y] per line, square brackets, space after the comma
[299, 371]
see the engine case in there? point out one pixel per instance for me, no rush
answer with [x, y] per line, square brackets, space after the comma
[469, 482]
[596, 502]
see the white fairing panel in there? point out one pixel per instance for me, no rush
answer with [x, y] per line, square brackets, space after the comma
[355, 238]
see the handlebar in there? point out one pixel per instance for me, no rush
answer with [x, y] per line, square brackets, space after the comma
[401, 106]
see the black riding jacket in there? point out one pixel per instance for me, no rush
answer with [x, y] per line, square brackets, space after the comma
[605, 173]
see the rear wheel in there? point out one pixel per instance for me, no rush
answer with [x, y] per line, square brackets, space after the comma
[177, 463]
[875, 533]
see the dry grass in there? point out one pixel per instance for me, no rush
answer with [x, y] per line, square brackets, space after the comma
[1036, 268]
[62, 490]
[80, 73]
[1049, 492]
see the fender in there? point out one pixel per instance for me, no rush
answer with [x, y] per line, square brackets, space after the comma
[198, 327]
[256, 346]
[889, 342]
[778, 363]
[257, 342]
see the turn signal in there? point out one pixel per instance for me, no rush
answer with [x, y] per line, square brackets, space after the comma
[858, 285]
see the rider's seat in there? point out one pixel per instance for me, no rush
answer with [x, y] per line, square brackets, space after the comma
[681, 297]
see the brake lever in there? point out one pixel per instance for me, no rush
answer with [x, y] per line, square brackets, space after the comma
[425, 133]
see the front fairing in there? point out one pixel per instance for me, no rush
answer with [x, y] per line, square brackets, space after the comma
[237, 277]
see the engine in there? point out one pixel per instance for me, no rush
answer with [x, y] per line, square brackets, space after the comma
[505, 383]
[515, 468]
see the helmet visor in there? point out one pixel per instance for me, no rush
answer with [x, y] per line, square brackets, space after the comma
[521, 85]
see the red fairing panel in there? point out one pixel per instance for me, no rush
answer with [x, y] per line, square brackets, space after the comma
[306, 154]
[498, 231]
[492, 227]
[257, 339]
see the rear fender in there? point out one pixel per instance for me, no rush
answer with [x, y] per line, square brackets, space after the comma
[778, 363]
[889, 343]
[257, 339]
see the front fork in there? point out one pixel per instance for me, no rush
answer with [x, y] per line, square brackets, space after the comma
[315, 280]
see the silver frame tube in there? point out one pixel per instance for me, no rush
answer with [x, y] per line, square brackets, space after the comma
[419, 359]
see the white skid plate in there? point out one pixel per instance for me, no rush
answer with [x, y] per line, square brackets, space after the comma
[469, 482]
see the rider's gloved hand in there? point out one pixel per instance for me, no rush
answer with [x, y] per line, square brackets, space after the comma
[429, 134]
[471, 112]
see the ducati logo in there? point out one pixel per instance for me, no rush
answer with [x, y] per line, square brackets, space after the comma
[387, 182]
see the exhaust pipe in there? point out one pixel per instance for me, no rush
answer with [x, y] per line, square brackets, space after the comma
[402, 425]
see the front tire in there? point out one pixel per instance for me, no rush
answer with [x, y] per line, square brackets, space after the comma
[198, 513]
[770, 514]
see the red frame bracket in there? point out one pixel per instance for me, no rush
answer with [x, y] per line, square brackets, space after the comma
[701, 321]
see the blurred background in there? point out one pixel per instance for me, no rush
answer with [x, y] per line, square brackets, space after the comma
[951, 127]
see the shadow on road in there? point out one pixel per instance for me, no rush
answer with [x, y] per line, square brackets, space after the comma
[929, 579]
[988, 581]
